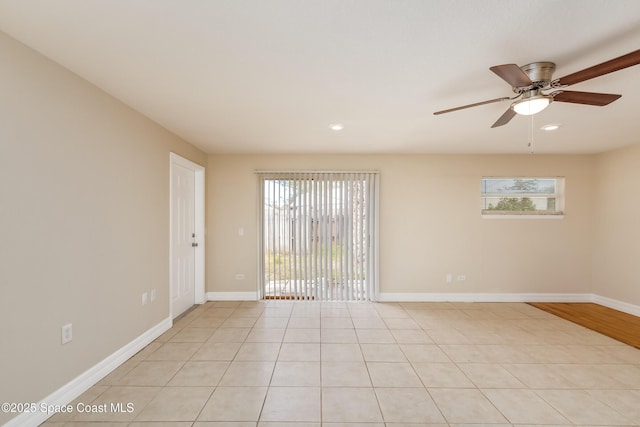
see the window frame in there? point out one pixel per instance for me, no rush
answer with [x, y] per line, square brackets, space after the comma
[558, 195]
[323, 202]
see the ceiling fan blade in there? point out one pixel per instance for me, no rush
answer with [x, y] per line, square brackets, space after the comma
[505, 118]
[587, 98]
[624, 61]
[491, 101]
[512, 74]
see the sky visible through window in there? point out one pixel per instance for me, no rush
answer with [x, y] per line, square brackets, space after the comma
[518, 185]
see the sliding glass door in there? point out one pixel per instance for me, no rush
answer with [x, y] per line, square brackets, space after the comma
[318, 237]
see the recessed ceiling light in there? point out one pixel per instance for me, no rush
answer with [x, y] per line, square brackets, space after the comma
[336, 126]
[550, 127]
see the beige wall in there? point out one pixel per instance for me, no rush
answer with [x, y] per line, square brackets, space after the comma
[84, 223]
[617, 225]
[430, 223]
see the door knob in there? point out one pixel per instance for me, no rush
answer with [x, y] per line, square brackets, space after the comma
[194, 245]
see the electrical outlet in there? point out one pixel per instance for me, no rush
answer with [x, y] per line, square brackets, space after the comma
[153, 295]
[462, 277]
[239, 276]
[145, 297]
[67, 333]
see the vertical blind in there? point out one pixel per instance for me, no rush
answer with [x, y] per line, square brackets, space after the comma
[318, 235]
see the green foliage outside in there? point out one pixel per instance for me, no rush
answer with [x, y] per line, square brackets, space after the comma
[513, 204]
[286, 265]
[524, 204]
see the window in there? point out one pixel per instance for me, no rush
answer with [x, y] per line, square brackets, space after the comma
[522, 196]
[318, 235]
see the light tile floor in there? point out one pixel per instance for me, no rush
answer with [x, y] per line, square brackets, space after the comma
[283, 363]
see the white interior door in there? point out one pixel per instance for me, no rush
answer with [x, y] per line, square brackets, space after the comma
[183, 244]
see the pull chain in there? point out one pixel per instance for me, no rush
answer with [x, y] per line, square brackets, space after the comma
[530, 144]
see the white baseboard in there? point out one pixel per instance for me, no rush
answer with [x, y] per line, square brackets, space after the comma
[464, 297]
[481, 297]
[511, 297]
[232, 296]
[617, 305]
[74, 388]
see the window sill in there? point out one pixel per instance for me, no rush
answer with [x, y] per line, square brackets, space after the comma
[539, 215]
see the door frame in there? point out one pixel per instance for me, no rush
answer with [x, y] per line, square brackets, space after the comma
[200, 230]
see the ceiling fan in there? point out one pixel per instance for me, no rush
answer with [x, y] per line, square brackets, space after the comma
[535, 89]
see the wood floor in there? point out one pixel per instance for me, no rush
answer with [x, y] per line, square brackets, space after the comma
[612, 323]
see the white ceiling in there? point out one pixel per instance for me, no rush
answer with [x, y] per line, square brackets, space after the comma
[271, 75]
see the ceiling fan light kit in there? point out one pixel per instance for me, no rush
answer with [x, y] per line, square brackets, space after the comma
[535, 87]
[531, 103]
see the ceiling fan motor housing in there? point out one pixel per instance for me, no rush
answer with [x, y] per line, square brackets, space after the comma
[540, 73]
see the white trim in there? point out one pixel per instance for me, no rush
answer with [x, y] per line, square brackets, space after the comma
[376, 242]
[482, 297]
[464, 297]
[232, 296]
[510, 297]
[74, 388]
[500, 216]
[260, 237]
[617, 304]
[275, 172]
[200, 230]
